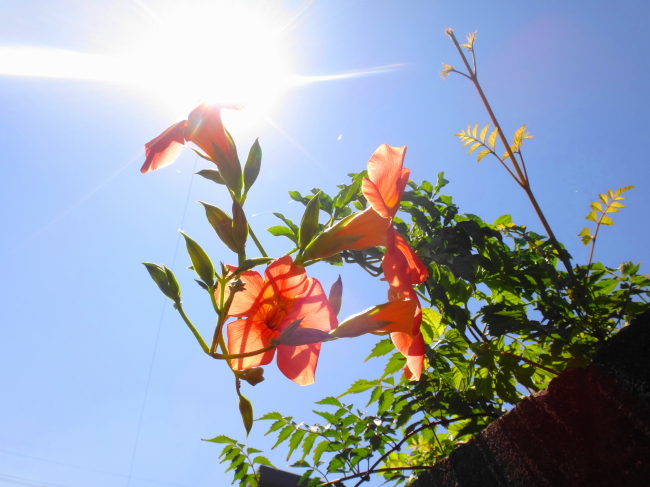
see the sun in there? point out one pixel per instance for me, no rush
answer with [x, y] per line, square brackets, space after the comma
[220, 52]
[185, 53]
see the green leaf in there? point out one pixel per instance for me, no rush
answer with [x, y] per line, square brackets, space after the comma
[221, 223]
[296, 196]
[288, 222]
[360, 385]
[382, 347]
[239, 227]
[440, 183]
[253, 165]
[305, 476]
[395, 363]
[276, 426]
[295, 440]
[307, 444]
[260, 460]
[309, 223]
[229, 167]
[211, 174]
[385, 401]
[273, 415]
[503, 220]
[330, 401]
[375, 395]
[222, 439]
[432, 326]
[165, 280]
[246, 411]
[283, 435]
[200, 261]
[280, 231]
[252, 263]
[321, 448]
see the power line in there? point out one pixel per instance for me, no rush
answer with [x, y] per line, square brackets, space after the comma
[155, 347]
[89, 469]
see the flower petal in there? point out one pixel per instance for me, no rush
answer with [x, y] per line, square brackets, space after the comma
[386, 171]
[374, 197]
[299, 363]
[413, 349]
[396, 266]
[417, 270]
[313, 308]
[394, 316]
[245, 302]
[205, 128]
[358, 231]
[249, 335]
[285, 279]
[164, 149]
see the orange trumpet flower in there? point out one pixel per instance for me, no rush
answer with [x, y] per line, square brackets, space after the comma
[403, 269]
[269, 305]
[203, 127]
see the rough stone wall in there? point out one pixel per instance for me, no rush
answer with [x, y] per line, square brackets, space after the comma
[589, 428]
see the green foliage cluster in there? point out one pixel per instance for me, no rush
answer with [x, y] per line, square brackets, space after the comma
[504, 312]
[501, 321]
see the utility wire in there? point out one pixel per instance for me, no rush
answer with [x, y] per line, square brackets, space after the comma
[155, 347]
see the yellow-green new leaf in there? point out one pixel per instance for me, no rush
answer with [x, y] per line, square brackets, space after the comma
[603, 198]
[606, 221]
[493, 138]
[482, 154]
[474, 147]
[475, 130]
[586, 236]
[467, 142]
[484, 132]
[596, 206]
[592, 216]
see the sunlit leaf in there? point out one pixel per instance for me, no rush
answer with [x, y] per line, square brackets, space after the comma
[482, 154]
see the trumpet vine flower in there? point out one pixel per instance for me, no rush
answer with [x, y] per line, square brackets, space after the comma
[403, 269]
[203, 127]
[267, 306]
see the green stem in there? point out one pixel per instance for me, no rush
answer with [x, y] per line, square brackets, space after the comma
[222, 312]
[229, 356]
[257, 242]
[196, 333]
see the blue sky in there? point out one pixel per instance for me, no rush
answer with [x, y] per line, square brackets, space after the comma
[80, 316]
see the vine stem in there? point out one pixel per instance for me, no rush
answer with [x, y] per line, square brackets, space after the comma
[522, 178]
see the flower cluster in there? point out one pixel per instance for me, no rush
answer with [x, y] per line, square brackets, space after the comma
[284, 313]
